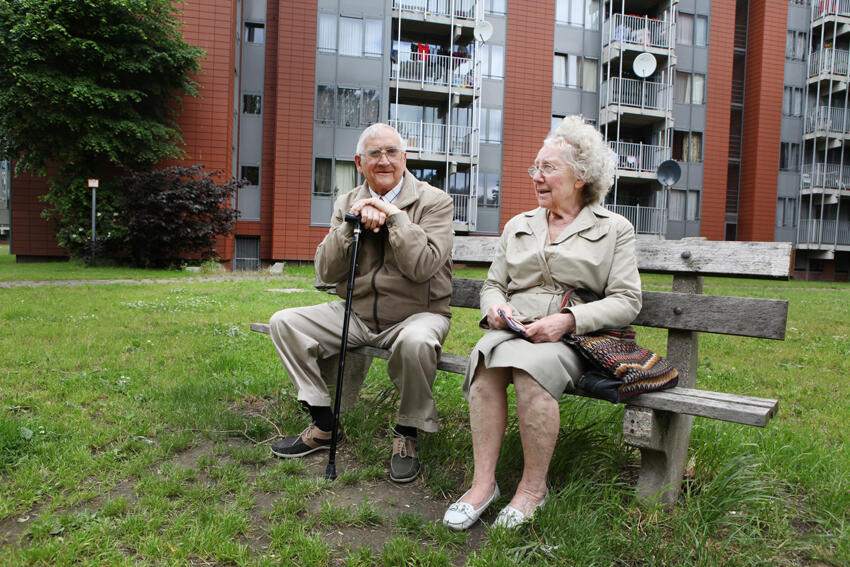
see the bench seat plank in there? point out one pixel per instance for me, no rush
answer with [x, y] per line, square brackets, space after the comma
[716, 405]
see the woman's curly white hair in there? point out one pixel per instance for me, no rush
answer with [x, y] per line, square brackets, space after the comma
[585, 151]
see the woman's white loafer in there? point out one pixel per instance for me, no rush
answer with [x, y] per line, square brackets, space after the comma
[511, 518]
[461, 515]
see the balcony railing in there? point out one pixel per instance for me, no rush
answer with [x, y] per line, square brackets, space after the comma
[830, 7]
[826, 119]
[464, 9]
[829, 62]
[737, 92]
[432, 69]
[817, 231]
[635, 93]
[638, 30]
[646, 220]
[432, 138]
[826, 175]
[465, 209]
[644, 158]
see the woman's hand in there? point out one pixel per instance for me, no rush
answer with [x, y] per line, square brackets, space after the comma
[494, 320]
[550, 329]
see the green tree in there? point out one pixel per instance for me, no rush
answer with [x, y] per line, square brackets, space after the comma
[88, 88]
[89, 83]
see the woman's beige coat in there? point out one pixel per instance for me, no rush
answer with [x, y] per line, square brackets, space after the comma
[596, 251]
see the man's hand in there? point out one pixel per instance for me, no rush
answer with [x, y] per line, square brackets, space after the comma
[494, 320]
[551, 328]
[373, 212]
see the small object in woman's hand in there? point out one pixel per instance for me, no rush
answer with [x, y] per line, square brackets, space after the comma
[512, 325]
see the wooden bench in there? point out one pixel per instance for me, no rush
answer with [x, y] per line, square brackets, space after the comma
[658, 423]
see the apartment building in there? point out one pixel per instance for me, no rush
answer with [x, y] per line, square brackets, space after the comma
[747, 96]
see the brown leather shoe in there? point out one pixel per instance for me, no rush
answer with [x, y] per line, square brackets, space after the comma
[404, 463]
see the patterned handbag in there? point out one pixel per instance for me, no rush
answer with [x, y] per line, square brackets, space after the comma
[620, 368]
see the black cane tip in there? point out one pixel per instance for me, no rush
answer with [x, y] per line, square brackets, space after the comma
[330, 471]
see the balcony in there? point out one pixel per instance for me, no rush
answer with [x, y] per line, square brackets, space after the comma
[463, 9]
[646, 220]
[639, 159]
[465, 211]
[640, 32]
[826, 120]
[823, 232]
[825, 176]
[829, 62]
[821, 8]
[637, 94]
[430, 70]
[432, 138]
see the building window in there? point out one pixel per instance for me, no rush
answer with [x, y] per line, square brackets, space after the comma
[326, 42]
[374, 38]
[690, 88]
[792, 101]
[352, 108]
[676, 205]
[574, 72]
[252, 104]
[495, 7]
[350, 36]
[491, 125]
[489, 189]
[556, 119]
[795, 44]
[251, 173]
[789, 156]
[493, 61]
[687, 146]
[334, 177]
[357, 37]
[578, 13]
[786, 212]
[692, 206]
[692, 29]
[255, 33]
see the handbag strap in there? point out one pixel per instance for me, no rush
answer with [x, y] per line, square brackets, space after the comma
[586, 295]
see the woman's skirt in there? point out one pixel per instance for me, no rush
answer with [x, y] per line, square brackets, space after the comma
[555, 366]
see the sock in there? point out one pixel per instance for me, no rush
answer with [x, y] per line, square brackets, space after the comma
[405, 430]
[322, 416]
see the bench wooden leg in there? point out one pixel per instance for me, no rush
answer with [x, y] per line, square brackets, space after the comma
[662, 438]
[356, 368]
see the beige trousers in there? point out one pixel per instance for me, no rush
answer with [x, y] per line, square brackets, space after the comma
[303, 335]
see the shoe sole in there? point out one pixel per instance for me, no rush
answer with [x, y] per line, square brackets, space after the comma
[404, 480]
[296, 455]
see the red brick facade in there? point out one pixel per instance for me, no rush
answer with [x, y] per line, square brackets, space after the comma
[762, 119]
[718, 103]
[528, 99]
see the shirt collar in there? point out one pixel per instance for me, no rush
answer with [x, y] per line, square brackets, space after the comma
[390, 196]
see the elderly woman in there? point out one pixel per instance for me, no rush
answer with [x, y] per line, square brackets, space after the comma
[569, 241]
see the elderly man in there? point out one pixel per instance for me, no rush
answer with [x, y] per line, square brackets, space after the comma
[400, 299]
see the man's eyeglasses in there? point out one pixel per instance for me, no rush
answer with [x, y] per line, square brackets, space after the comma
[545, 169]
[393, 153]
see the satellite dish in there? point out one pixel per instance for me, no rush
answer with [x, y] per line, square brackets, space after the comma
[644, 65]
[483, 31]
[668, 173]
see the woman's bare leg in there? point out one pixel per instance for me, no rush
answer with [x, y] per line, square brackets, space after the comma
[488, 416]
[539, 421]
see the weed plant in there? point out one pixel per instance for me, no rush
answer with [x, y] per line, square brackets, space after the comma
[133, 421]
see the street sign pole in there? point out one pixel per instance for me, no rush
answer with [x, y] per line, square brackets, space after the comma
[93, 183]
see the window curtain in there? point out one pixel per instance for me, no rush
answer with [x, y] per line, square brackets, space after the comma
[322, 177]
[351, 36]
[559, 71]
[345, 178]
[348, 108]
[327, 32]
[374, 37]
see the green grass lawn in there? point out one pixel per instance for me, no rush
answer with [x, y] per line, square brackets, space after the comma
[106, 391]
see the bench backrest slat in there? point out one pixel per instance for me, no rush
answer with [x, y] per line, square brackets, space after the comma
[769, 260]
[744, 316]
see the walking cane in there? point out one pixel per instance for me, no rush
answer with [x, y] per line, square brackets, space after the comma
[330, 471]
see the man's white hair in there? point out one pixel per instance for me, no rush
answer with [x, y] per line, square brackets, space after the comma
[374, 130]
